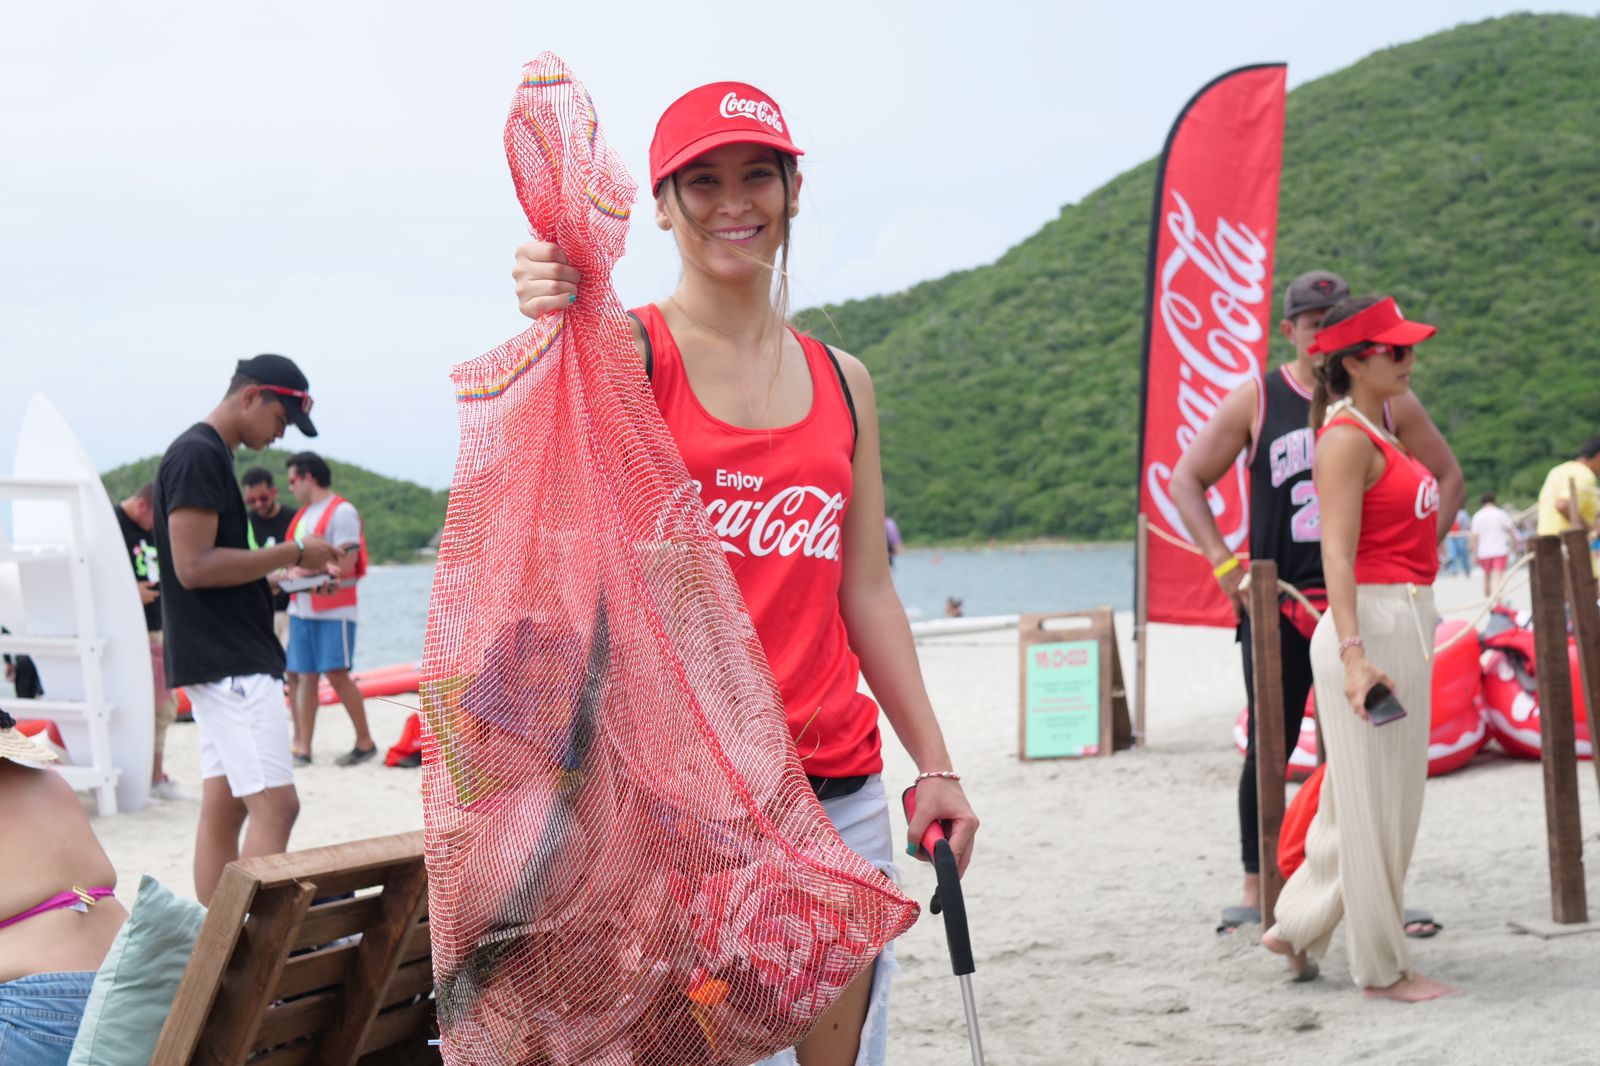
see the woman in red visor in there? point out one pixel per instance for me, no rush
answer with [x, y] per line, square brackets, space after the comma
[1371, 657]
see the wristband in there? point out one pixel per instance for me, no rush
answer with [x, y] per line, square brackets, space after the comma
[1224, 568]
[1350, 642]
[948, 775]
[300, 542]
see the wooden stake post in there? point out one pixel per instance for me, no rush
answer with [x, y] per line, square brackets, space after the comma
[1073, 700]
[1582, 593]
[1271, 745]
[1558, 746]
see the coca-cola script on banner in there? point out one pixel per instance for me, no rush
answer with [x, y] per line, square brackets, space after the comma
[1208, 316]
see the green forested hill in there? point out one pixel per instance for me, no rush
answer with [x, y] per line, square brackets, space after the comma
[398, 517]
[1460, 173]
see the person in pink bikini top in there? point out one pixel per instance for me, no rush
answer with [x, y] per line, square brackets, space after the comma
[57, 912]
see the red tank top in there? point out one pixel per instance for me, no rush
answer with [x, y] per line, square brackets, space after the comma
[1399, 518]
[777, 500]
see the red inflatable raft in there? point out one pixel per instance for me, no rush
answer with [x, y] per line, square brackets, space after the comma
[383, 681]
[1512, 696]
[1458, 731]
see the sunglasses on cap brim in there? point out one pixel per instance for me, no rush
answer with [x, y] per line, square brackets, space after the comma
[303, 396]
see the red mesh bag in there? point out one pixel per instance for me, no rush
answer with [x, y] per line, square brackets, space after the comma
[626, 863]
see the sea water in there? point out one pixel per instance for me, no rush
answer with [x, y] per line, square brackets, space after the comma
[998, 580]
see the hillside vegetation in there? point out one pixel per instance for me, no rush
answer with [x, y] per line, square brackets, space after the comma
[397, 516]
[1457, 173]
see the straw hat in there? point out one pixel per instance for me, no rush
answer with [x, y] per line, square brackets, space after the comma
[15, 746]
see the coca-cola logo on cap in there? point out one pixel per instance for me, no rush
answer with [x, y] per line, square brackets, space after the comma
[764, 111]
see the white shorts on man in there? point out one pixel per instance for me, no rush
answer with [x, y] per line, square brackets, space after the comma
[244, 732]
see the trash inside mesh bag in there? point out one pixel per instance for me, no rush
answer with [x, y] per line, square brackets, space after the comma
[625, 862]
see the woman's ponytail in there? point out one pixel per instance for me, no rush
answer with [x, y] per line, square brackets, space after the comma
[1333, 377]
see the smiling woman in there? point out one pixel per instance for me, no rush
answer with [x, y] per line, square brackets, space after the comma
[780, 437]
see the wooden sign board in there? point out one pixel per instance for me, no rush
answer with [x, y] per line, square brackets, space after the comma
[1073, 701]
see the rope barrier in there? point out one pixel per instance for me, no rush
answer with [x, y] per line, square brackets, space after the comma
[1297, 595]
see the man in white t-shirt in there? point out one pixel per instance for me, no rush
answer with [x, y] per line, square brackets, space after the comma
[322, 622]
[1494, 537]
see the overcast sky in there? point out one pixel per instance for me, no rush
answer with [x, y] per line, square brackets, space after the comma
[183, 185]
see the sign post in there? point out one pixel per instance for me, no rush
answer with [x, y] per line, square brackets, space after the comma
[1271, 743]
[1073, 700]
[1558, 748]
[1581, 593]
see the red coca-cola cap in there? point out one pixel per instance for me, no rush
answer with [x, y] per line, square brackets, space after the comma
[724, 112]
[1382, 323]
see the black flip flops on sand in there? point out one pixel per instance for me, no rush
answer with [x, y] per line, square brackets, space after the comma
[1420, 925]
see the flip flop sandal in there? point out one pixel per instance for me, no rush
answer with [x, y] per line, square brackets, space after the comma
[1428, 927]
[1234, 917]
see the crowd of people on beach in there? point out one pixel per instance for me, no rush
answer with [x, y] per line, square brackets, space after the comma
[1353, 490]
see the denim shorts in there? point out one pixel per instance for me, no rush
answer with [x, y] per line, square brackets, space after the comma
[39, 1016]
[862, 819]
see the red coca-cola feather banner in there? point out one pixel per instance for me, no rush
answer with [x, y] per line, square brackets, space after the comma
[1207, 316]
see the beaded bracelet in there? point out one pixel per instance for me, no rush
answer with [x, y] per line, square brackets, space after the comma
[1350, 642]
[948, 775]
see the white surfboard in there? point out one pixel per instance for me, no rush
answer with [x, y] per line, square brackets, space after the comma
[47, 449]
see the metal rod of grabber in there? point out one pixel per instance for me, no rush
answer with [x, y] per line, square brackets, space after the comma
[1272, 750]
[1582, 593]
[1558, 750]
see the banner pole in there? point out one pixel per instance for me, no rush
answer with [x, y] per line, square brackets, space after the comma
[1141, 617]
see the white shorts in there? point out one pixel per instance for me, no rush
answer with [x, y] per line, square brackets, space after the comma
[244, 732]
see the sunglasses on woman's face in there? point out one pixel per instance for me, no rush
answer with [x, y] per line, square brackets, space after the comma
[1398, 352]
[279, 390]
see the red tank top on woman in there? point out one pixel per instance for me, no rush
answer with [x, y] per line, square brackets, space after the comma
[777, 500]
[1399, 518]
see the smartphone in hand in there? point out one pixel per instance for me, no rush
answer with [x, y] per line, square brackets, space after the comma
[1382, 707]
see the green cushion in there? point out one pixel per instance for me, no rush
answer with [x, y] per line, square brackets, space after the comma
[134, 988]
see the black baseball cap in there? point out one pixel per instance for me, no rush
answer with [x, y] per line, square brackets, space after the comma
[280, 372]
[1308, 292]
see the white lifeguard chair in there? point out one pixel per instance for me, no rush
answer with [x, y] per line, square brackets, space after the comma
[77, 615]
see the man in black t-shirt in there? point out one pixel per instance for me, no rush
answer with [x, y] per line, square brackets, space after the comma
[216, 605]
[136, 517]
[269, 525]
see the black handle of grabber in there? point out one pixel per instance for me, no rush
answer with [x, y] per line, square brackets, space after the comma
[948, 900]
[955, 908]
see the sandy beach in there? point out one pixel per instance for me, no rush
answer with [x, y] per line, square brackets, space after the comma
[1097, 883]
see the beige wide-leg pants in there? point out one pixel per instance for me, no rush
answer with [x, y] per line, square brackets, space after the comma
[1359, 844]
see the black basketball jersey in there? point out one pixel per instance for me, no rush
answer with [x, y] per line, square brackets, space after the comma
[1285, 522]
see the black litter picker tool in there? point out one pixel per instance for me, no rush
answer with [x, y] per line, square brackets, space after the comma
[949, 902]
